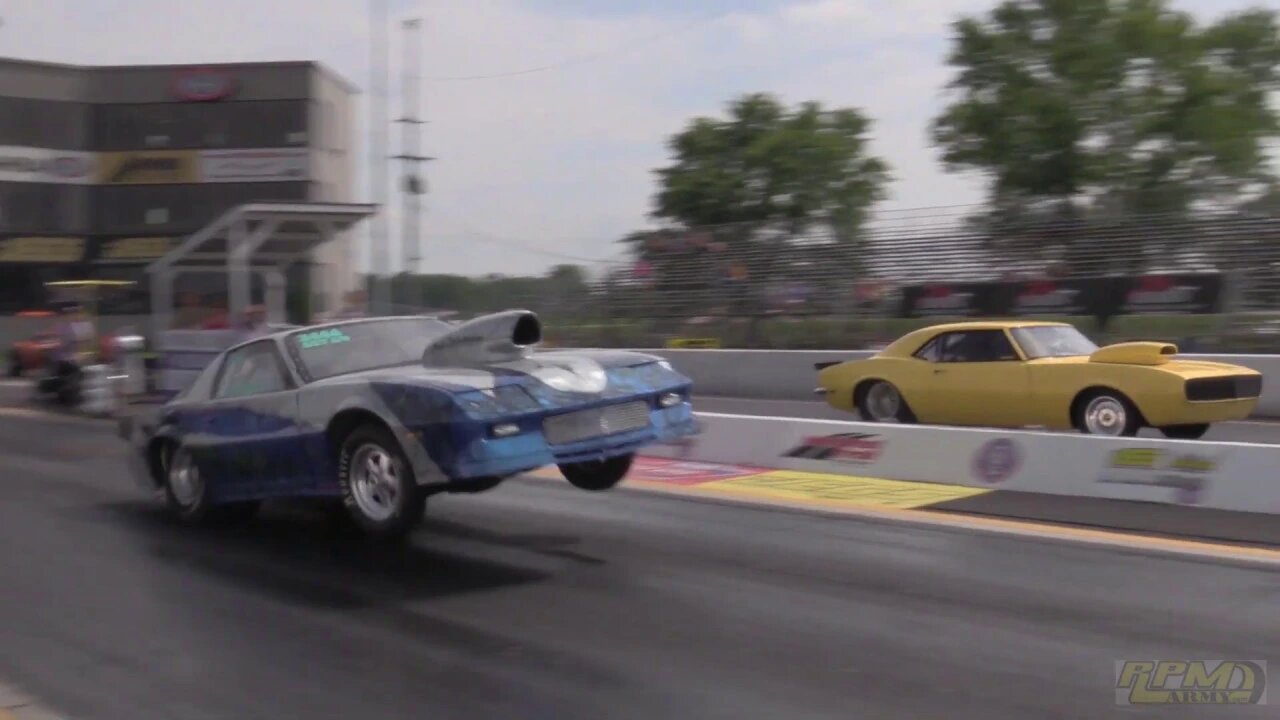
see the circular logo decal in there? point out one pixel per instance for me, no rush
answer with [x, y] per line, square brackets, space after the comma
[997, 461]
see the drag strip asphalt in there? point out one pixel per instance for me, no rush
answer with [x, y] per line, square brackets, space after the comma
[1250, 431]
[537, 600]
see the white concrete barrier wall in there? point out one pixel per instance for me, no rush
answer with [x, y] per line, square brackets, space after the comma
[1224, 476]
[789, 374]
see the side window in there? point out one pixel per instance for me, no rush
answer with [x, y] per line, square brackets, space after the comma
[932, 350]
[252, 370]
[977, 346]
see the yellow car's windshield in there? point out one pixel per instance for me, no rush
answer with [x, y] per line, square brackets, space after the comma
[1053, 341]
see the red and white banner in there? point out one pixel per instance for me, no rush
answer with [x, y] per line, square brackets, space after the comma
[43, 165]
[258, 165]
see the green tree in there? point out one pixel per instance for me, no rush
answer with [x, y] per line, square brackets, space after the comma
[1123, 106]
[767, 163]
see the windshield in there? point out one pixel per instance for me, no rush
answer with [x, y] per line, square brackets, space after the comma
[353, 347]
[1053, 341]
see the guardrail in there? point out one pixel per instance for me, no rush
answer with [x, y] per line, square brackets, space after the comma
[1218, 475]
[789, 374]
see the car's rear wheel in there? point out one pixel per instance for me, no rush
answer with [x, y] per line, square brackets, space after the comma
[881, 402]
[596, 475]
[1107, 413]
[379, 489]
[187, 493]
[1185, 432]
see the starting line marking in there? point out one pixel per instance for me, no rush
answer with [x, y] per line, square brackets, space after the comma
[872, 499]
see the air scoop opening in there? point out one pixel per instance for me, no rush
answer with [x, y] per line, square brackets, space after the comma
[527, 331]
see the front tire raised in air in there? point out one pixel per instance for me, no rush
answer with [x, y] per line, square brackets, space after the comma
[597, 475]
[379, 489]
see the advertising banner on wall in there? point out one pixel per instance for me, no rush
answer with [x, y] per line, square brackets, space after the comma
[41, 249]
[148, 167]
[1185, 293]
[258, 165]
[131, 249]
[43, 165]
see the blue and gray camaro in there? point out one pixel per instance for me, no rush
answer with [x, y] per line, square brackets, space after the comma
[385, 412]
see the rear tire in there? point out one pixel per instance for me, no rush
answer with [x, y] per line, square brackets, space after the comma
[379, 489]
[597, 475]
[187, 494]
[1107, 413]
[880, 402]
[1185, 432]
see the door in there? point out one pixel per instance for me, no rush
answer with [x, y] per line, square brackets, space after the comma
[977, 378]
[251, 421]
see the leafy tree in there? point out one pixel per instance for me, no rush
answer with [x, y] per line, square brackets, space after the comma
[742, 187]
[1122, 106]
[768, 163]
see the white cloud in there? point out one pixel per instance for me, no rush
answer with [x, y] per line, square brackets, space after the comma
[559, 160]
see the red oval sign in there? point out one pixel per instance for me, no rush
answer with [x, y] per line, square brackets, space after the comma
[203, 85]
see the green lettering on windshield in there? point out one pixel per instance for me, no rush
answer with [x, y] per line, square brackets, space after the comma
[320, 338]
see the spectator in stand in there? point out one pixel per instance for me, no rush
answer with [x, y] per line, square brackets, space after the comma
[355, 305]
[253, 323]
[218, 319]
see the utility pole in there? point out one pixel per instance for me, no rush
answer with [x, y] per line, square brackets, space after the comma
[380, 299]
[413, 184]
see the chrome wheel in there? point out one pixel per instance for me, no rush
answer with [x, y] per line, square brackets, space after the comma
[184, 478]
[883, 402]
[1106, 415]
[375, 482]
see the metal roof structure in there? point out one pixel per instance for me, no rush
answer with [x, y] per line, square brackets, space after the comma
[266, 238]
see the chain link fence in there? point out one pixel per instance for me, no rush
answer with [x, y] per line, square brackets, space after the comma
[1208, 279]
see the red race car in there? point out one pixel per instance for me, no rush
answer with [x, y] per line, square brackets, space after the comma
[32, 354]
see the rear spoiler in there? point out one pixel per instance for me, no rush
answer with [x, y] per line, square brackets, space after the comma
[825, 365]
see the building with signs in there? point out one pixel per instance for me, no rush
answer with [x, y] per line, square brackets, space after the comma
[104, 169]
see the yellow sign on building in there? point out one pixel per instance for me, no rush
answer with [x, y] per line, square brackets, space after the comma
[136, 248]
[41, 249]
[148, 167]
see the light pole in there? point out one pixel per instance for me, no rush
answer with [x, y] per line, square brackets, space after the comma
[414, 186]
[380, 298]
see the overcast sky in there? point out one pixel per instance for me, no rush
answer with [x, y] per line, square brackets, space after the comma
[554, 166]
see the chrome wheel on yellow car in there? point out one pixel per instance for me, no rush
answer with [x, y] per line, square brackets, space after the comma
[881, 402]
[1109, 414]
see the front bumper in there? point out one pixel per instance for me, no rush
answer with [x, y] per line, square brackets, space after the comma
[1197, 413]
[529, 450]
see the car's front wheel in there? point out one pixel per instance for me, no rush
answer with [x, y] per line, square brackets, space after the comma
[1104, 412]
[379, 489]
[596, 475]
[1185, 432]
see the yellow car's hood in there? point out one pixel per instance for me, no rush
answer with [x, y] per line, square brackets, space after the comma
[1135, 353]
[1161, 355]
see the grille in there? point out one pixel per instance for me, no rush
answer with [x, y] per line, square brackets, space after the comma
[1224, 388]
[596, 422]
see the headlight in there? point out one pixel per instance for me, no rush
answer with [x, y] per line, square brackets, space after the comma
[504, 400]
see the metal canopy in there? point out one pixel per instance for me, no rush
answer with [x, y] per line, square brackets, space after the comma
[266, 238]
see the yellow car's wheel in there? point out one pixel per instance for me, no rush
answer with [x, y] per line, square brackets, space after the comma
[880, 401]
[1107, 412]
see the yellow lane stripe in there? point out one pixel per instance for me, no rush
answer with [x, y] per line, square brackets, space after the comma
[841, 490]
[977, 523]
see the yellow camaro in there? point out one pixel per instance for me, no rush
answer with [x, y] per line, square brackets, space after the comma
[1022, 374]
